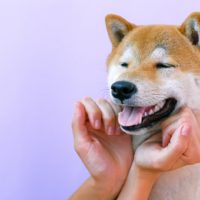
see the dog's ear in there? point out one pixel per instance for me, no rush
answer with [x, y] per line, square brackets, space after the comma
[117, 28]
[191, 28]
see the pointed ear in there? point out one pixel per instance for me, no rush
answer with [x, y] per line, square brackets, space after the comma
[117, 28]
[191, 28]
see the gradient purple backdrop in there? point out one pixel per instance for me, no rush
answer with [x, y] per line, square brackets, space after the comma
[52, 53]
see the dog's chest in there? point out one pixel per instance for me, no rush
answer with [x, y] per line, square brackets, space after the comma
[180, 184]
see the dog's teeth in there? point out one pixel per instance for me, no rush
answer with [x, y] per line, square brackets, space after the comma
[140, 121]
[157, 108]
[151, 112]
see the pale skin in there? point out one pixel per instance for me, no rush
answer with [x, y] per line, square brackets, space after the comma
[107, 152]
[104, 149]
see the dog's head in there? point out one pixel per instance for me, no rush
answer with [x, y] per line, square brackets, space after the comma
[152, 70]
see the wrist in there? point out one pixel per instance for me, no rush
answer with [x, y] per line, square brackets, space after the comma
[143, 180]
[104, 189]
[143, 174]
[138, 180]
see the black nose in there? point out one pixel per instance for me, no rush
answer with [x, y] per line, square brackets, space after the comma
[123, 90]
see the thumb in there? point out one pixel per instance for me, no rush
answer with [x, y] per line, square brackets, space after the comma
[178, 144]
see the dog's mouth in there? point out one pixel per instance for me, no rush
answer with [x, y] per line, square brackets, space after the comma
[134, 118]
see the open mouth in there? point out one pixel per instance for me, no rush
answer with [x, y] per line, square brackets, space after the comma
[134, 118]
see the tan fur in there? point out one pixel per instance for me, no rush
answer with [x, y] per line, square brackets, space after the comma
[179, 46]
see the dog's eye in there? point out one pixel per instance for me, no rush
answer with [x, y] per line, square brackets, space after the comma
[124, 64]
[164, 65]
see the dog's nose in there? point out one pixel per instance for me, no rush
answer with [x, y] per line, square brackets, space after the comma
[123, 89]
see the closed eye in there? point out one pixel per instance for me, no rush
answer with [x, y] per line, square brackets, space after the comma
[124, 64]
[164, 65]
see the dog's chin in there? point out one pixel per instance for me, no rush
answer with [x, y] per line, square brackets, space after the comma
[152, 116]
[141, 131]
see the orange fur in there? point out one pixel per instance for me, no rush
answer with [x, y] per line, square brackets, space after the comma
[146, 38]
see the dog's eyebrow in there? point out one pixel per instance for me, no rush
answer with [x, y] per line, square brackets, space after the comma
[158, 53]
[129, 55]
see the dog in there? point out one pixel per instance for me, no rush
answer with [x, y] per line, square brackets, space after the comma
[153, 71]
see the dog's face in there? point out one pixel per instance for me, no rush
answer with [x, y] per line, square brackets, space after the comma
[152, 70]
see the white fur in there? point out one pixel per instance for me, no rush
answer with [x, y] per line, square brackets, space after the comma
[114, 73]
[183, 183]
[127, 55]
[158, 54]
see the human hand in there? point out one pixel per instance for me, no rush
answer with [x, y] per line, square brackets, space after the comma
[104, 149]
[179, 144]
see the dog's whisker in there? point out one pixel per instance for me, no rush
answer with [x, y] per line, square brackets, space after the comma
[105, 93]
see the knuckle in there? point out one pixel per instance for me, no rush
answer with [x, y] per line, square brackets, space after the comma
[86, 98]
[96, 113]
[186, 113]
[101, 100]
[110, 117]
[110, 120]
[179, 148]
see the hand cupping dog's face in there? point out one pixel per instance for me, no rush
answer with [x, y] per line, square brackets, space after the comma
[179, 144]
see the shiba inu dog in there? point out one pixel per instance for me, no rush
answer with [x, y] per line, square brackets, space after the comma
[153, 71]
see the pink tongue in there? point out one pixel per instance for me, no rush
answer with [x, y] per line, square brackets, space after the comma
[131, 116]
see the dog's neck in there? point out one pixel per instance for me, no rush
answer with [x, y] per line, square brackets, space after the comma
[139, 139]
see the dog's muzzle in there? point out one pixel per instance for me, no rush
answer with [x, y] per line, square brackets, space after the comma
[123, 90]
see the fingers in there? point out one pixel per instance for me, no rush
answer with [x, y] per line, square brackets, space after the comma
[93, 112]
[183, 113]
[79, 126]
[178, 143]
[167, 133]
[101, 115]
[108, 116]
[173, 122]
[115, 107]
[177, 146]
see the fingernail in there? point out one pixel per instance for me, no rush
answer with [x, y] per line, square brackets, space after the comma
[185, 130]
[97, 124]
[111, 130]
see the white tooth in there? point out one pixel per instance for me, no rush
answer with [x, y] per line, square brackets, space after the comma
[151, 112]
[145, 114]
[140, 120]
[157, 108]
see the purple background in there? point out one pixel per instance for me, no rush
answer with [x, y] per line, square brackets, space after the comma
[52, 53]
